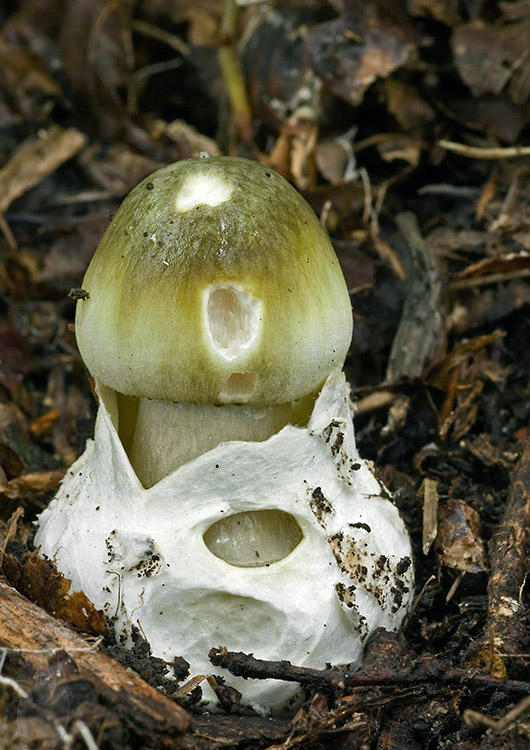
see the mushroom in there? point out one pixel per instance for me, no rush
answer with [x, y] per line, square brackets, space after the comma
[223, 499]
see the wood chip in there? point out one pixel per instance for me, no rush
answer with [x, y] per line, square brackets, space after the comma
[420, 338]
[429, 490]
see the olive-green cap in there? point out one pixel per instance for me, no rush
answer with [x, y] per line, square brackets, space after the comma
[215, 282]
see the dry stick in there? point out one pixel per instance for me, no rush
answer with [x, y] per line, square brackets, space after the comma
[506, 626]
[476, 152]
[424, 670]
[490, 278]
[161, 35]
[498, 725]
[377, 138]
[34, 635]
[11, 530]
[421, 334]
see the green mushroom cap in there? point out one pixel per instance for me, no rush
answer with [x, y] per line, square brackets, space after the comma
[214, 283]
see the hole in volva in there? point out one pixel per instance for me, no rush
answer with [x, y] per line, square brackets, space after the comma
[255, 538]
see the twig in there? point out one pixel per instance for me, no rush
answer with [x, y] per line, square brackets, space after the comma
[8, 234]
[161, 35]
[81, 729]
[425, 670]
[11, 530]
[479, 152]
[376, 400]
[506, 213]
[497, 725]
[454, 191]
[13, 685]
[367, 189]
[487, 279]
[374, 140]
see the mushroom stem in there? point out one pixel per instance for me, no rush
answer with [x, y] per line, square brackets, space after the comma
[254, 538]
[167, 434]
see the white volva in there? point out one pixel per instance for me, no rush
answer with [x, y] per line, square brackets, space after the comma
[323, 559]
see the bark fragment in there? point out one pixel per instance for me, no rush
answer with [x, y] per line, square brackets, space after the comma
[507, 631]
[420, 337]
[31, 634]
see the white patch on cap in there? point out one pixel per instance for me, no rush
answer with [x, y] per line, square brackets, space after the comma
[233, 319]
[206, 189]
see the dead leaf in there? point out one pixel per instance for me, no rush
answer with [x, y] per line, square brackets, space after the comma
[496, 117]
[491, 57]
[296, 148]
[486, 658]
[508, 263]
[488, 193]
[278, 71]
[203, 18]
[10, 461]
[36, 483]
[36, 159]
[24, 73]
[489, 454]
[461, 376]
[369, 40]
[40, 581]
[404, 101]
[45, 422]
[458, 541]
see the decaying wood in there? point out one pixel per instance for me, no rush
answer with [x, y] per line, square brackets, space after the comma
[507, 626]
[34, 636]
[420, 337]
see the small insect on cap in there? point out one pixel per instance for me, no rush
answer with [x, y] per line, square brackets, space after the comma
[214, 282]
